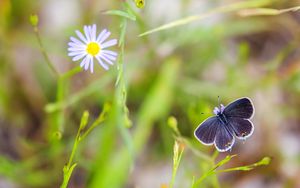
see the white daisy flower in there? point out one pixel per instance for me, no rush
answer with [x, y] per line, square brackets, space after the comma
[91, 46]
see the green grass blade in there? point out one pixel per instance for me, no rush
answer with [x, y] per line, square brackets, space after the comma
[121, 13]
[267, 11]
[178, 151]
[223, 9]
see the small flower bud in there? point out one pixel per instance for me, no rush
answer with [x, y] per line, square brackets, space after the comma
[34, 20]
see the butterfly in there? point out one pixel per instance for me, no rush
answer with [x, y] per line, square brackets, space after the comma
[229, 122]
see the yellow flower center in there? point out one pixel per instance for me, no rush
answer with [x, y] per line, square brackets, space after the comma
[93, 48]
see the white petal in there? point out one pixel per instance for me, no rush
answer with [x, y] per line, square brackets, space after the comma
[110, 52]
[79, 34]
[94, 30]
[76, 41]
[87, 33]
[74, 53]
[110, 57]
[101, 34]
[101, 63]
[76, 49]
[83, 62]
[90, 31]
[92, 65]
[86, 66]
[104, 37]
[78, 52]
[105, 59]
[109, 43]
[75, 45]
[76, 58]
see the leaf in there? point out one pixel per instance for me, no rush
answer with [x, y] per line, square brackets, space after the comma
[121, 13]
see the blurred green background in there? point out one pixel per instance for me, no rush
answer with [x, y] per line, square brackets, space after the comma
[177, 72]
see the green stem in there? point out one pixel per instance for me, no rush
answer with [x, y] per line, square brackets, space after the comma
[176, 162]
[97, 122]
[71, 73]
[68, 168]
[196, 151]
[122, 112]
[264, 161]
[94, 125]
[59, 115]
[62, 84]
[36, 31]
[215, 155]
[215, 180]
[213, 170]
[77, 140]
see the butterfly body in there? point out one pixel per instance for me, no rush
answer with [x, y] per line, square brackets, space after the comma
[230, 122]
[222, 118]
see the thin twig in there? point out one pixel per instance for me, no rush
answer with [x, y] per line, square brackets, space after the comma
[48, 61]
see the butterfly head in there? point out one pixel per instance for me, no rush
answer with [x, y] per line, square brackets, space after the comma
[219, 110]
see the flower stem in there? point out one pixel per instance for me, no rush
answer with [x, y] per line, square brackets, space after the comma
[68, 169]
[48, 61]
[178, 151]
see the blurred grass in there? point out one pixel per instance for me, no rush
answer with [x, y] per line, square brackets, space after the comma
[115, 172]
[227, 8]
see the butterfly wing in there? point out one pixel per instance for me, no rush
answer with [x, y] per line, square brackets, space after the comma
[224, 139]
[243, 128]
[241, 108]
[206, 131]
